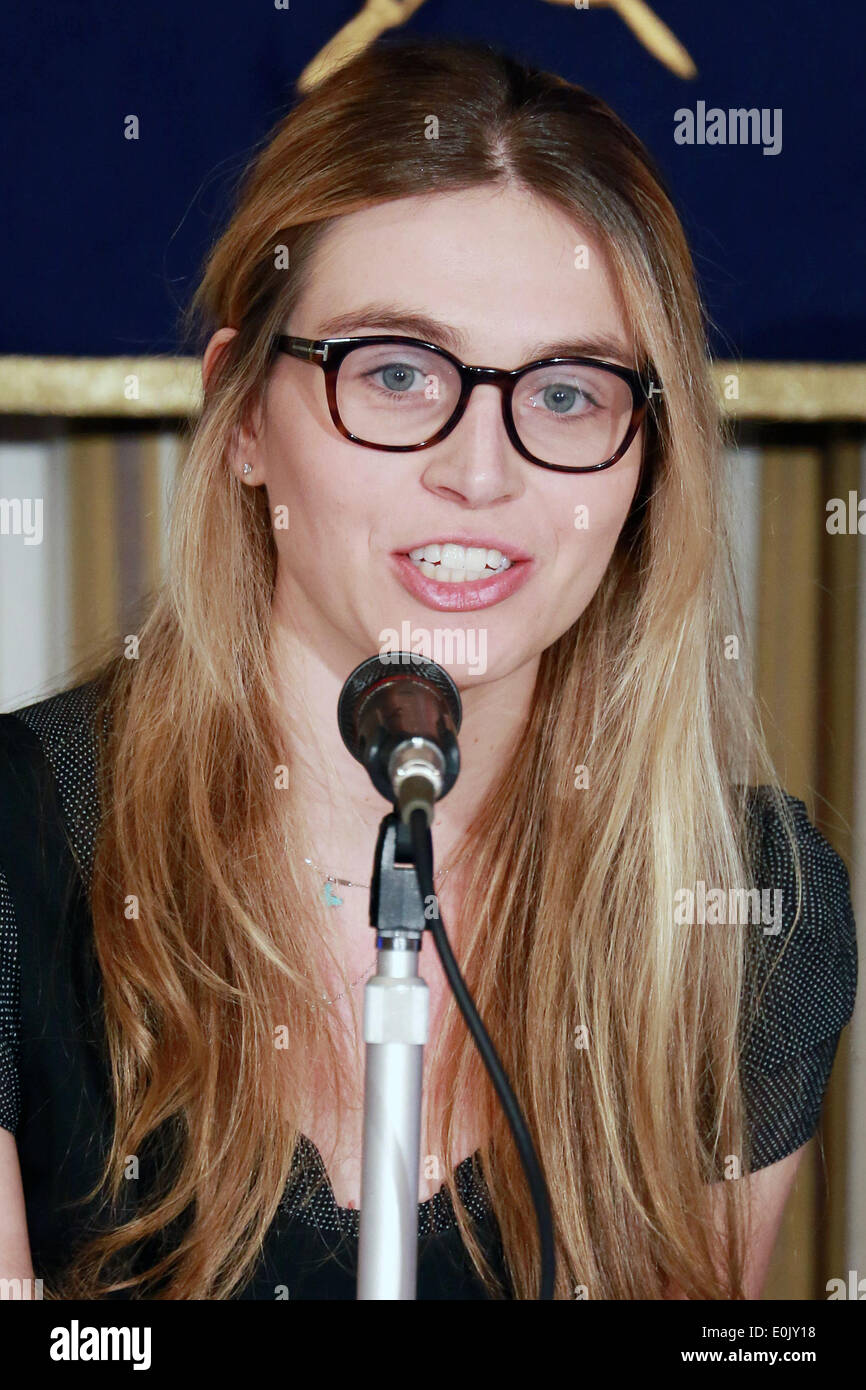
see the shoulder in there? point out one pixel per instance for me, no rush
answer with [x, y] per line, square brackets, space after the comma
[48, 820]
[801, 969]
[47, 759]
[774, 818]
[800, 974]
[61, 721]
[803, 965]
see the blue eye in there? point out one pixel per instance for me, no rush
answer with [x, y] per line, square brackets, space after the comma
[396, 376]
[559, 399]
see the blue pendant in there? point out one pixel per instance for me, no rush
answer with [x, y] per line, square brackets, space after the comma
[329, 897]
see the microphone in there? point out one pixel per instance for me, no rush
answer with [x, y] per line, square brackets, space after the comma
[399, 716]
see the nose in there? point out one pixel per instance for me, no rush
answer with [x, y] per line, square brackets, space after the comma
[476, 464]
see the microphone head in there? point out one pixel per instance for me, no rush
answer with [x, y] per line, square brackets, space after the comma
[393, 699]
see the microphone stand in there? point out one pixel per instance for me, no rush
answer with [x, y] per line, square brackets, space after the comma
[402, 726]
[396, 1027]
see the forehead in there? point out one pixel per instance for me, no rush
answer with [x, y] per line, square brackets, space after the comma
[505, 268]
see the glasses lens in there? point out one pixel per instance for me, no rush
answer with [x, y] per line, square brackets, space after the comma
[565, 414]
[572, 416]
[391, 394]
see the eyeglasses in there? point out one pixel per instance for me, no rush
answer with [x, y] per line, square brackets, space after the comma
[570, 414]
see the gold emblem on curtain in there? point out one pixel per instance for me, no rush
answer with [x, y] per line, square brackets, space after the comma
[379, 15]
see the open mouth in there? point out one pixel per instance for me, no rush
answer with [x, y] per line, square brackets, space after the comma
[461, 576]
[456, 564]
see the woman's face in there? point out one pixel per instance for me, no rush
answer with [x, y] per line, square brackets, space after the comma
[499, 269]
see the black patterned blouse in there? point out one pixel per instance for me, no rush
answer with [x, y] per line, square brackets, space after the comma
[786, 1061]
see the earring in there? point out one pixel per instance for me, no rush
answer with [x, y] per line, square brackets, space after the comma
[248, 468]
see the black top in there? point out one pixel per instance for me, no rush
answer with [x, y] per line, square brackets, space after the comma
[47, 761]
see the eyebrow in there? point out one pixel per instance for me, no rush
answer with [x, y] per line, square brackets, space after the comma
[389, 316]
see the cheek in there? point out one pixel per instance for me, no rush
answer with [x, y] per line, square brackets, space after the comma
[327, 492]
[590, 519]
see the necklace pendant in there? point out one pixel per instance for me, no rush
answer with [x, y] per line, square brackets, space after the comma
[329, 897]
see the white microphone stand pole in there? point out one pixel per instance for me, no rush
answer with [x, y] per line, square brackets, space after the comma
[396, 1024]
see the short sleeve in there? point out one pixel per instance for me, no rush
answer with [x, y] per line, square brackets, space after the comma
[800, 986]
[10, 1097]
[49, 743]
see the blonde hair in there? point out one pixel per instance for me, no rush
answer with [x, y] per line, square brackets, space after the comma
[571, 892]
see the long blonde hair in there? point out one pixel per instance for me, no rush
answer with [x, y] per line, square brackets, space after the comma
[571, 926]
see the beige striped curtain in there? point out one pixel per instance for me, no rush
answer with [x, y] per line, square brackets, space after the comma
[118, 516]
[806, 670]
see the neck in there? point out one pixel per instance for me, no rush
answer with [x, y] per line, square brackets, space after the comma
[341, 807]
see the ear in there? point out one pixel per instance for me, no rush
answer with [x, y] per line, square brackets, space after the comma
[212, 352]
[245, 442]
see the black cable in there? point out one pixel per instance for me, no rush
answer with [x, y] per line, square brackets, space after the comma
[422, 844]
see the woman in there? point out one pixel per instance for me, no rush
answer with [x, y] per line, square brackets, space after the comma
[478, 212]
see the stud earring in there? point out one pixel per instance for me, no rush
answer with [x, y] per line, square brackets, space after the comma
[248, 468]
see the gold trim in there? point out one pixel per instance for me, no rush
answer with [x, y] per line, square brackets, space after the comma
[125, 386]
[145, 387]
[796, 391]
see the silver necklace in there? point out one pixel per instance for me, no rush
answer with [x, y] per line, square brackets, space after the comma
[333, 901]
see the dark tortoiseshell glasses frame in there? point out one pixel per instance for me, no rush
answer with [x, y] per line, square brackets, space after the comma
[330, 353]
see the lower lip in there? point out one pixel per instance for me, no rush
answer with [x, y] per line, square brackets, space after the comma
[461, 597]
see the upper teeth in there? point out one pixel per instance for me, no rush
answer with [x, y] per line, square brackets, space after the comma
[461, 561]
